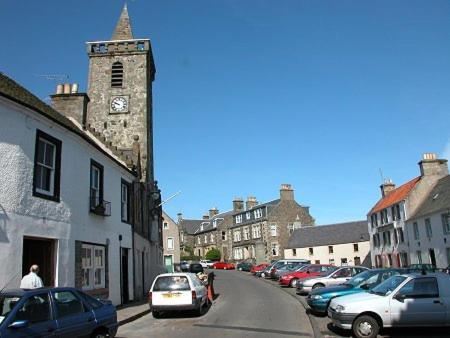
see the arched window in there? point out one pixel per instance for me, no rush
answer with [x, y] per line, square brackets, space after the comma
[117, 75]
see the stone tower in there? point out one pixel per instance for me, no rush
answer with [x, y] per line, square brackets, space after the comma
[121, 72]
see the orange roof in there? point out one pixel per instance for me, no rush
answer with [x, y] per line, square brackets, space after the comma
[395, 196]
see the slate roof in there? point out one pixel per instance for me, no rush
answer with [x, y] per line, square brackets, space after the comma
[395, 196]
[191, 225]
[437, 200]
[332, 234]
[15, 92]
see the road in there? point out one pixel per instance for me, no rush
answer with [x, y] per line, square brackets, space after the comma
[252, 307]
[245, 307]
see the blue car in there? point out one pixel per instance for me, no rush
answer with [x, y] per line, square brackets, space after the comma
[55, 312]
[319, 299]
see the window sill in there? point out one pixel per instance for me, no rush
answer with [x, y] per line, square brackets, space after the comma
[53, 198]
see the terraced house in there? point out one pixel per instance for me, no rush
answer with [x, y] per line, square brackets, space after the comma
[251, 231]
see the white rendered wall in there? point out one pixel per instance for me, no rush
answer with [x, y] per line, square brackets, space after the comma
[22, 214]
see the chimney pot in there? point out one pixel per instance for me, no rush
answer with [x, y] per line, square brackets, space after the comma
[67, 88]
[238, 204]
[286, 192]
[59, 89]
[74, 88]
[251, 202]
[387, 187]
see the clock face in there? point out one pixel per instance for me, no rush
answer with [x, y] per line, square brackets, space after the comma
[119, 104]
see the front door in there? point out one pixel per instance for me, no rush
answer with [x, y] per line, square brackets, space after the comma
[168, 263]
[40, 251]
[124, 277]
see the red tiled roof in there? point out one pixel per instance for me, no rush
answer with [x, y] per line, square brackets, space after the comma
[395, 196]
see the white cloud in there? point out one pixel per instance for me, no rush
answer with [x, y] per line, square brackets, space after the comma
[446, 152]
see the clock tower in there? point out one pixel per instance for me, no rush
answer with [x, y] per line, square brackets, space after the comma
[121, 72]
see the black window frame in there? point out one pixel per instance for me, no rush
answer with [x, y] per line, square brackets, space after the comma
[57, 175]
[101, 178]
[129, 187]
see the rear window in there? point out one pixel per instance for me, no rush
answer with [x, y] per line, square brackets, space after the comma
[7, 304]
[171, 283]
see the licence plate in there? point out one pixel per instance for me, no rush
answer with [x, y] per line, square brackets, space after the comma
[171, 295]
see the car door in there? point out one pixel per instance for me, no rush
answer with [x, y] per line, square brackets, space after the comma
[36, 310]
[418, 303]
[73, 317]
[340, 276]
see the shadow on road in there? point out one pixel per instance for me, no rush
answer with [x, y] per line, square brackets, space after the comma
[254, 329]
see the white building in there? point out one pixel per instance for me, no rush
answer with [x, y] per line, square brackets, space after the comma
[335, 244]
[171, 240]
[428, 230]
[387, 218]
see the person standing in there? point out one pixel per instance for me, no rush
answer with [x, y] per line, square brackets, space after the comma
[32, 280]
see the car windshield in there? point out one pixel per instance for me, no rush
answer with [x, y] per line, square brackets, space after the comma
[329, 272]
[171, 283]
[388, 286]
[7, 304]
[359, 279]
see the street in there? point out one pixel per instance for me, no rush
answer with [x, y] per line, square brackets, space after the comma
[251, 307]
[245, 306]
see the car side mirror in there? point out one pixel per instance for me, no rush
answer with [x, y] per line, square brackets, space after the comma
[400, 297]
[364, 286]
[19, 324]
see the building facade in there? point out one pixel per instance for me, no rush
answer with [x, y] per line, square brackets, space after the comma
[335, 244]
[251, 231]
[388, 217]
[91, 217]
[171, 240]
[428, 230]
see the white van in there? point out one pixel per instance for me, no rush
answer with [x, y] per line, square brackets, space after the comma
[279, 263]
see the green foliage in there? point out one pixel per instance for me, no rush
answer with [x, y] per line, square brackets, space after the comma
[213, 255]
[190, 258]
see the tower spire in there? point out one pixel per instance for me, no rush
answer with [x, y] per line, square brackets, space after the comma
[123, 27]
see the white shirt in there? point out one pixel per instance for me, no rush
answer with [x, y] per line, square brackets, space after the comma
[31, 281]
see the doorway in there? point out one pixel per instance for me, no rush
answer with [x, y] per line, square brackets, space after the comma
[40, 251]
[124, 277]
[432, 257]
[168, 262]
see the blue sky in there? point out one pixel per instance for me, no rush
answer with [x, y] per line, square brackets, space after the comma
[252, 94]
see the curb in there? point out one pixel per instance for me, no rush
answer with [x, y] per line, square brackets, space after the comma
[316, 330]
[133, 317]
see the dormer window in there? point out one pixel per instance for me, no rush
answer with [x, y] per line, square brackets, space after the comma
[258, 213]
[117, 75]
[239, 219]
[215, 223]
[247, 215]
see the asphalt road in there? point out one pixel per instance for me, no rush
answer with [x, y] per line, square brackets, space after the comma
[245, 307]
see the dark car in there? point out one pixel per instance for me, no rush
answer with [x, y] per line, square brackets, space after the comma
[184, 266]
[60, 312]
[421, 268]
[244, 266]
[195, 268]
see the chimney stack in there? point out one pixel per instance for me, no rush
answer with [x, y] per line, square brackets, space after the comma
[205, 216]
[238, 204]
[432, 166]
[251, 202]
[286, 192]
[70, 103]
[180, 217]
[387, 187]
[213, 212]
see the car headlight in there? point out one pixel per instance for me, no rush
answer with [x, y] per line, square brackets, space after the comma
[315, 297]
[340, 308]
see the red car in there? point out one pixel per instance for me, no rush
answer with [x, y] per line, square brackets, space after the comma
[256, 268]
[223, 265]
[309, 271]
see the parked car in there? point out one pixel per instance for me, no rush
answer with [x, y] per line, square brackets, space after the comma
[422, 267]
[278, 264]
[257, 268]
[402, 300]
[184, 266]
[66, 312]
[319, 299]
[196, 268]
[264, 272]
[177, 292]
[206, 263]
[306, 271]
[244, 266]
[334, 277]
[223, 265]
[284, 269]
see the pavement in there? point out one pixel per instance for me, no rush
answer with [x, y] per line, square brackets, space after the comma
[132, 311]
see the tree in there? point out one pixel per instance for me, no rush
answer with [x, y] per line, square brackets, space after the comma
[213, 255]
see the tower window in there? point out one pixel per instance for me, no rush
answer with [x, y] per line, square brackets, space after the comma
[117, 75]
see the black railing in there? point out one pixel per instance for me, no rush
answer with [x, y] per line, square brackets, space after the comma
[98, 206]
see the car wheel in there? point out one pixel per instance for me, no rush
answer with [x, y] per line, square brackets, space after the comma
[100, 334]
[201, 309]
[365, 327]
[263, 275]
[156, 314]
[318, 286]
[240, 269]
[292, 283]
